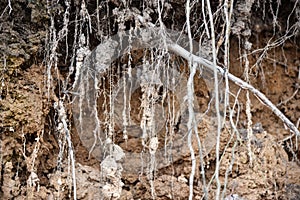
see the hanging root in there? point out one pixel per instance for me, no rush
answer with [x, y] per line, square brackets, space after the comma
[63, 129]
[202, 61]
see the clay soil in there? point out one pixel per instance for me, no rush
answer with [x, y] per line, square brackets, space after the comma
[30, 163]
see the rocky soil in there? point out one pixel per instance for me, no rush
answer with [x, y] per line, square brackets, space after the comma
[34, 158]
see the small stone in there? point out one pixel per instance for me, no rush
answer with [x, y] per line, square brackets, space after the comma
[182, 179]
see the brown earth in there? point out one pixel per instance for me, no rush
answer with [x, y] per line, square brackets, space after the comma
[33, 166]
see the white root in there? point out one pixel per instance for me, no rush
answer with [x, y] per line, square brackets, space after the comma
[202, 61]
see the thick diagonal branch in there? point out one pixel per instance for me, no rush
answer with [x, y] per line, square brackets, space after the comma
[191, 57]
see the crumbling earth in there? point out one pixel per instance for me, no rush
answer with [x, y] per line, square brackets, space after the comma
[32, 165]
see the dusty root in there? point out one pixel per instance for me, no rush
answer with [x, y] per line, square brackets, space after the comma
[34, 159]
[271, 176]
[273, 173]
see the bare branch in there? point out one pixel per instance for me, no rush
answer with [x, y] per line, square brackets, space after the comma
[187, 55]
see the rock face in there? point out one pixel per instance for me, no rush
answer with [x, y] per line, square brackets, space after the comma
[43, 43]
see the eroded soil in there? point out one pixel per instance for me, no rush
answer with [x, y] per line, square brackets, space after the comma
[33, 167]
